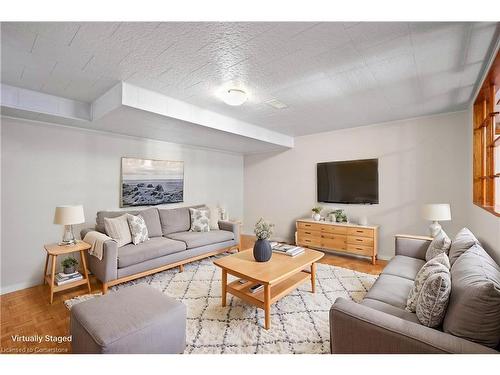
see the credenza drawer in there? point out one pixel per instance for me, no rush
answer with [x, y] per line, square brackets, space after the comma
[334, 243]
[360, 249]
[308, 226]
[309, 241]
[333, 229]
[309, 232]
[360, 232]
[356, 240]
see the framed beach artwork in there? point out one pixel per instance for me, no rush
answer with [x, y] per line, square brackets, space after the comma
[148, 182]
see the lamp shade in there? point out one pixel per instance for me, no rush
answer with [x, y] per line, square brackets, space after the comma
[436, 212]
[68, 215]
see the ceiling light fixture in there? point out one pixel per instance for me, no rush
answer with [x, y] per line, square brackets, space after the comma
[275, 103]
[234, 97]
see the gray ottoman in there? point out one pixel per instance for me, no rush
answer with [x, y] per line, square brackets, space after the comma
[136, 319]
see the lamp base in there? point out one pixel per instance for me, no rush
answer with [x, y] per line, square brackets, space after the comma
[68, 236]
[434, 229]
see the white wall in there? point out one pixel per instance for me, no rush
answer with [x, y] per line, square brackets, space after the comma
[420, 160]
[45, 165]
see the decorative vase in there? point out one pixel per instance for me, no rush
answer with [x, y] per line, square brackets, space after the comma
[316, 217]
[70, 269]
[262, 250]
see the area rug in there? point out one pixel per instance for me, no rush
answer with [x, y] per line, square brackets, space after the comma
[299, 321]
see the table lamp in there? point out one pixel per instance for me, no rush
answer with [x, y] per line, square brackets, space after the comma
[68, 216]
[436, 212]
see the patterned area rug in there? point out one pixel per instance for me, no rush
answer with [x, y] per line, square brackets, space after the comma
[299, 321]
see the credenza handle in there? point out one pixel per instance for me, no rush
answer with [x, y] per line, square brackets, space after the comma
[357, 239]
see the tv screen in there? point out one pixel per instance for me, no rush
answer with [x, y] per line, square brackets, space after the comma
[353, 181]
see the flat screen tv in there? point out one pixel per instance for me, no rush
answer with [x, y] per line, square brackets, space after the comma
[351, 182]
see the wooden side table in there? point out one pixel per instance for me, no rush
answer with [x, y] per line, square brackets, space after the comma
[55, 250]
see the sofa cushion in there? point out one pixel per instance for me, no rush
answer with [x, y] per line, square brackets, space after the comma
[197, 239]
[462, 242]
[174, 220]
[154, 248]
[391, 310]
[390, 289]
[404, 266]
[474, 308]
[118, 229]
[152, 219]
[436, 265]
[440, 244]
[433, 298]
[111, 214]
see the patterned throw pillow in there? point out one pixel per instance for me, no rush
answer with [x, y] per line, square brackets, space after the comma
[433, 299]
[438, 264]
[200, 221]
[214, 213]
[138, 228]
[440, 244]
[117, 228]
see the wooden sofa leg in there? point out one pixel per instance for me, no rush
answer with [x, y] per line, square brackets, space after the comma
[181, 267]
[104, 288]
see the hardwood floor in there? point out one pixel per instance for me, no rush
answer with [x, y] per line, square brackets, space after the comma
[28, 312]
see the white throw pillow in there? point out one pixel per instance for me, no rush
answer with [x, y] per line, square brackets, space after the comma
[138, 228]
[199, 220]
[214, 213]
[440, 244]
[117, 228]
[438, 264]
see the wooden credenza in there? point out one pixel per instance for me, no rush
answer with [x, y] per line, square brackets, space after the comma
[344, 237]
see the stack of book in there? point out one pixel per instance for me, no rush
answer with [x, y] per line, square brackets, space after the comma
[290, 250]
[65, 278]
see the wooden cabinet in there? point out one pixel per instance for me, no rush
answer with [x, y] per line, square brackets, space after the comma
[348, 238]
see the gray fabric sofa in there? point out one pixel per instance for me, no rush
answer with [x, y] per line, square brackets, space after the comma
[171, 244]
[380, 323]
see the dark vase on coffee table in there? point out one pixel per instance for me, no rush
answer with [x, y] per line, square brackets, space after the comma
[262, 251]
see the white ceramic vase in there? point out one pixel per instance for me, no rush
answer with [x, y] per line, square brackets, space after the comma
[316, 217]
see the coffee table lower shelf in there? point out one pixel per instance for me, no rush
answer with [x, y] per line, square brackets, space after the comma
[277, 291]
[270, 294]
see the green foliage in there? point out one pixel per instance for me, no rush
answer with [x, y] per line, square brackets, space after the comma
[317, 209]
[69, 262]
[263, 229]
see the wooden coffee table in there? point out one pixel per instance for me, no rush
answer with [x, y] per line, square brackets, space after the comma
[280, 276]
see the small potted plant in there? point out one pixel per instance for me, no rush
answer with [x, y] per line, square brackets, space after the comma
[315, 213]
[69, 265]
[340, 216]
[262, 250]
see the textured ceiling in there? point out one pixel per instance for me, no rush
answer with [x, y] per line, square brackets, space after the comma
[331, 75]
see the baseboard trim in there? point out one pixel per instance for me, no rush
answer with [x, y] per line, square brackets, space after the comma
[19, 286]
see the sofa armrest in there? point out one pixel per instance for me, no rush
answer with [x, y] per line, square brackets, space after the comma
[412, 246]
[355, 328]
[105, 269]
[231, 227]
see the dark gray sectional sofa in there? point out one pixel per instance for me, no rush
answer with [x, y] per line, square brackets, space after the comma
[380, 323]
[171, 244]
